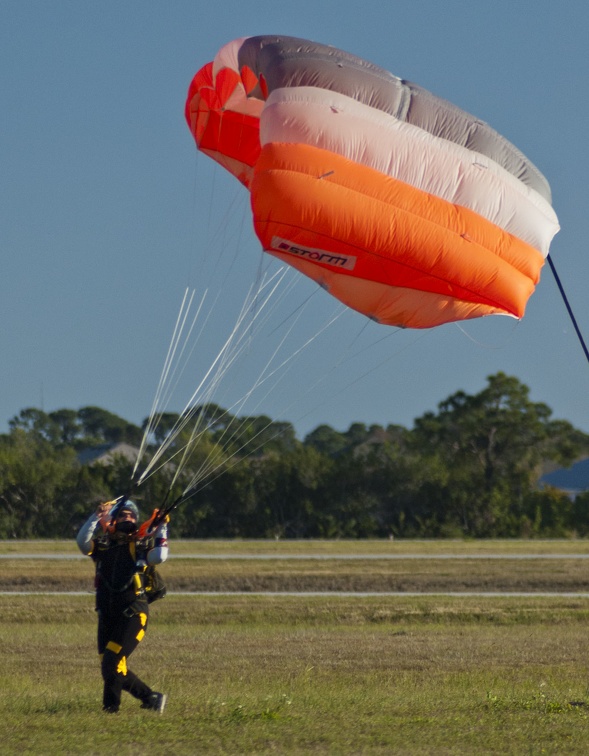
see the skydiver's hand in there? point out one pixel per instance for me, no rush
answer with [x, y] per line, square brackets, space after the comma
[103, 509]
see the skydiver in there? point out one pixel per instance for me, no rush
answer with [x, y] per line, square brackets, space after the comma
[121, 560]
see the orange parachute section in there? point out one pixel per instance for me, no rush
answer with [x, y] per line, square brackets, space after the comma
[401, 205]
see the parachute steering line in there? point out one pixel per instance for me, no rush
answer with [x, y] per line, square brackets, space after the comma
[568, 306]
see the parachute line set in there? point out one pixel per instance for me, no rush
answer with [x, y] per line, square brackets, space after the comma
[193, 423]
[401, 205]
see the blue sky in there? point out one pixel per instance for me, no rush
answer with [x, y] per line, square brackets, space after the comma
[108, 213]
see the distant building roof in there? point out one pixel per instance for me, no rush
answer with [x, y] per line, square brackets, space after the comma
[573, 480]
[105, 454]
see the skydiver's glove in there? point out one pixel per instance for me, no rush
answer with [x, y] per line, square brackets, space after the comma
[104, 508]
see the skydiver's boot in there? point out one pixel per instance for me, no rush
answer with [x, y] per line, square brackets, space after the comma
[155, 702]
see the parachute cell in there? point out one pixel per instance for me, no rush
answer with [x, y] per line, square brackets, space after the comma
[397, 202]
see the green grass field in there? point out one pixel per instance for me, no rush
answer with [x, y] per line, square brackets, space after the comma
[335, 546]
[255, 674]
[358, 566]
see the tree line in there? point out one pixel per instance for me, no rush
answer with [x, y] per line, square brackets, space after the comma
[470, 469]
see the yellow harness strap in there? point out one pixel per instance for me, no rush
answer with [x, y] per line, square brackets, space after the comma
[137, 582]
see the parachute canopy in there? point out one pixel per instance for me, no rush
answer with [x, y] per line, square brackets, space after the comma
[397, 202]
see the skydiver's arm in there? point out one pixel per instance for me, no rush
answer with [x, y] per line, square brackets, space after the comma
[159, 552]
[86, 533]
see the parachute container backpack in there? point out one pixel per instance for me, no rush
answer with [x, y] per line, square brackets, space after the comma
[404, 207]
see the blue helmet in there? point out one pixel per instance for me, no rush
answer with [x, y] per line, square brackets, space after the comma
[130, 506]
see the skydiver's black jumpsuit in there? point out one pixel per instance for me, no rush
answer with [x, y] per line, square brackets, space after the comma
[123, 614]
[121, 602]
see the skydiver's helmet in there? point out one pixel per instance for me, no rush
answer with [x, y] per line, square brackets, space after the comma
[129, 506]
[125, 524]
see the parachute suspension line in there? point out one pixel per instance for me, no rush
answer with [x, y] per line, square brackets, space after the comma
[182, 360]
[169, 379]
[567, 305]
[229, 435]
[198, 483]
[481, 344]
[221, 238]
[205, 472]
[212, 250]
[212, 468]
[263, 378]
[152, 422]
[165, 381]
[204, 393]
[422, 335]
[207, 467]
[227, 355]
[154, 417]
[245, 209]
[234, 346]
[301, 306]
[192, 269]
[163, 390]
[343, 359]
[346, 357]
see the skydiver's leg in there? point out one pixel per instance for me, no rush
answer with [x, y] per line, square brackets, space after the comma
[125, 635]
[107, 629]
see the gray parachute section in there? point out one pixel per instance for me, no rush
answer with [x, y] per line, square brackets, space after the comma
[293, 62]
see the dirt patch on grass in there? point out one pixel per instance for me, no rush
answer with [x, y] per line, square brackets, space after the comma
[427, 575]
